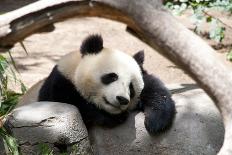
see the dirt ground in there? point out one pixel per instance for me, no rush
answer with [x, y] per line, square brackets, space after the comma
[45, 49]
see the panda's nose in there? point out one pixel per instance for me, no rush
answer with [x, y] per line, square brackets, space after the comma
[122, 100]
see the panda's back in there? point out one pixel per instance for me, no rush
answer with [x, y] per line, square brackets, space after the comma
[59, 89]
[68, 64]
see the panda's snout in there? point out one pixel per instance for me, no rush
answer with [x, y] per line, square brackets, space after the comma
[122, 100]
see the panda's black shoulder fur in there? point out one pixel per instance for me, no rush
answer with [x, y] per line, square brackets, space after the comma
[93, 44]
[58, 88]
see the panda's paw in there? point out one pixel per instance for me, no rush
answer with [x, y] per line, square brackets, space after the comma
[159, 118]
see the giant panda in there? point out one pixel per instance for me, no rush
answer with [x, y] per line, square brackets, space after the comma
[106, 85]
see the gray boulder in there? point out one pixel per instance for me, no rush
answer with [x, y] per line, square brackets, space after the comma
[55, 125]
[197, 129]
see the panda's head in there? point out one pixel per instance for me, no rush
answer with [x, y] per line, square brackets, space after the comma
[108, 78]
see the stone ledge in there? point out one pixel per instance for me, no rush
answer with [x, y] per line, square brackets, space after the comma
[197, 128]
[58, 125]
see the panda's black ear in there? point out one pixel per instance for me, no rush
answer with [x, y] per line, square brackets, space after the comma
[93, 44]
[139, 57]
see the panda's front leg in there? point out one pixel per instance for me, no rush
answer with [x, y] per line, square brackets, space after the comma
[157, 104]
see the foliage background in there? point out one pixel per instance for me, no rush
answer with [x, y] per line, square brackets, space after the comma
[201, 11]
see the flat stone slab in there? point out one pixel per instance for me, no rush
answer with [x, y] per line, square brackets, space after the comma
[197, 129]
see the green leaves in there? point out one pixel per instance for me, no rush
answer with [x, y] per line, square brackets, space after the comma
[45, 149]
[11, 145]
[23, 88]
[8, 100]
[209, 19]
[200, 15]
[3, 65]
[229, 56]
[217, 32]
[177, 9]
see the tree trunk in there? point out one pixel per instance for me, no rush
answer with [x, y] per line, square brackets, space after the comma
[152, 24]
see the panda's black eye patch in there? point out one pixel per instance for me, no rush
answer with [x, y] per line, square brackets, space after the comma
[109, 78]
[132, 90]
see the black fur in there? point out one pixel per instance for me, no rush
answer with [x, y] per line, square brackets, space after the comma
[139, 58]
[109, 78]
[92, 45]
[59, 89]
[158, 106]
[155, 101]
[132, 90]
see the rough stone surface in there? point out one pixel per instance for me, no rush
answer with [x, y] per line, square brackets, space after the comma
[197, 129]
[58, 125]
[2, 149]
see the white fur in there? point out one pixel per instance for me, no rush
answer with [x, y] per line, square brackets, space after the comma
[86, 75]
[68, 64]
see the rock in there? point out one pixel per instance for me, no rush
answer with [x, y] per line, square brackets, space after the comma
[197, 129]
[2, 148]
[49, 124]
